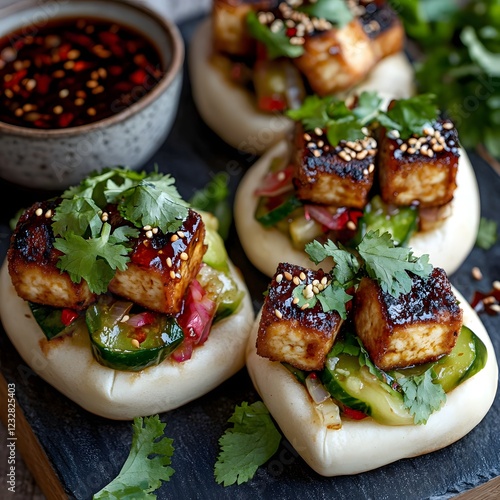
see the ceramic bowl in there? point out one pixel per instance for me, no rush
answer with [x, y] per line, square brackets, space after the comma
[58, 158]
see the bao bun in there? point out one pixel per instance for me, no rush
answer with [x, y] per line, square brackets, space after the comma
[230, 111]
[69, 366]
[362, 445]
[448, 245]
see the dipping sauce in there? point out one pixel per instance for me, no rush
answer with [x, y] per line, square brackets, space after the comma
[74, 71]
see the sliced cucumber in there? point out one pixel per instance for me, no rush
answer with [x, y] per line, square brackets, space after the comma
[354, 386]
[481, 357]
[49, 321]
[269, 218]
[303, 231]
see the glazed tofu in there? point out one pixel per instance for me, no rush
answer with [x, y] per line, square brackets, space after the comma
[230, 33]
[32, 261]
[290, 334]
[420, 170]
[162, 267]
[340, 176]
[336, 59]
[418, 327]
[383, 27]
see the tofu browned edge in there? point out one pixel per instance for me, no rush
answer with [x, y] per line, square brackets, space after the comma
[157, 282]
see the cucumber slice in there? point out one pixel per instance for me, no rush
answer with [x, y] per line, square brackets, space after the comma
[216, 254]
[49, 321]
[303, 231]
[479, 361]
[354, 386]
[269, 218]
[113, 346]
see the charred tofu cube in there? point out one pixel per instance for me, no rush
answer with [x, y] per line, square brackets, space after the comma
[383, 27]
[336, 59]
[162, 266]
[419, 170]
[230, 33]
[288, 333]
[32, 261]
[340, 175]
[418, 327]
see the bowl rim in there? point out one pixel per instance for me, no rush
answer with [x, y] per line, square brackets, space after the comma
[178, 54]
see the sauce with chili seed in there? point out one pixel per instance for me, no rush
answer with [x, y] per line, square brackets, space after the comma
[74, 71]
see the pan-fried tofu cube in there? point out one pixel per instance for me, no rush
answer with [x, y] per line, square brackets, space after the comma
[32, 261]
[420, 170]
[289, 333]
[162, 266]
[336, 59]
[418, 327]
[383, 27]
[340, 175]
[230, 33]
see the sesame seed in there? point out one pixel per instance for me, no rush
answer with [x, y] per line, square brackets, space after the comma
[496, 285]
[311, 145]
[411, 151]
[412, 141]
[155, 230]
[320, 144]
[278, 314]
[305, 306]
[149, 234]
[91, 111]
[315, 290]
[92, 84]
[315, 283]
[288, 276]
[30, 84]
[147, 227]
[307, 137]
[169, 262]
[495, 308]
[476, 273]
[135, 343]
[180, 234]
[279, 278]
[489, 300]
[316, 153]
[19, 112]
[302, 276]
[430, 153]
[48, 214]
[362, 155]
[448, 125]
[403, 147]
[58, 110]
[318, 131]
[64, 93]
[172, 274]
[324, 280]
[38, 211]
[125, 318]
[184, 256]
[365, 172]
[79, 102]
[437, 148]
[173, 238]
[295, 300]
[345, 156]
[350, 225]
[296, 280]
[393, 134]
[69, 64]
[73, 54]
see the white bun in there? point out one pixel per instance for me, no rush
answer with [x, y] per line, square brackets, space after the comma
[230, 111]
[70, 367]
[364, 445]
[448, 246]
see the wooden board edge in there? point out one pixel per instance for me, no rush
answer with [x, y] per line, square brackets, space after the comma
[28, 446]
[487, 491]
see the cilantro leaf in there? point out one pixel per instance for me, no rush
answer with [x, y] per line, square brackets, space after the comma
[368, 106]
[346, 129]
[147, 465]
[486, 60]
[334, 298]
[487, 233]
[410, 116]
[335, 11]
[251, 442]
[77, 216]
[389, 264]
[421, 396]
[154, 201]
[95, 259]
[313, 112]
[277, 43]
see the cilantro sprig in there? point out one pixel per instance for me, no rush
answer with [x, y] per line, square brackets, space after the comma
[376, 256]
[407, 116]
[147, 465]
[487, 233]
[91, 249]
[250, 443]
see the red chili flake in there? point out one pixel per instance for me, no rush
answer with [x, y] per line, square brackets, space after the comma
[63, 51]
[272, 103]
[68, 316]
[109, 38]
[140, 336]
[313, 375]
[124, 87]
[489, 307]
[291, 32]
[115, 70]
[138, 77]
[131, 46]
[81, 66]
[117, 50]
[79, 39]
[42, 83]
[354, 414]
[16, 78]
[41, 124]
[65, 119]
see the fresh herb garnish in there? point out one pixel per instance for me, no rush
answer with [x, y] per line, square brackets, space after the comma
[277, 42]
[92, 251]
[376, 256]
[487, 233]
[147, 465]
[335, 11]
[407, 116]
[250, 443]
[421, 395]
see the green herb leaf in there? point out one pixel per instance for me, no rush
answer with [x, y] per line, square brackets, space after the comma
[78, 216]
[277, 43]
[335, 11]
[334, 298]
[251, 442]
[313, 112]
[389, 264]
[147, 465]
[368, 107]
[488, 61]
[410, 116]
[487, 233]
[421, 396]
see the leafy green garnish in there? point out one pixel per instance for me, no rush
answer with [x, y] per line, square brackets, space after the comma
[251, 442]
[487, 233]
[276, 42]
[335, 11]
[147, 465]
[92, 251]
[421, 395]
[376, 256]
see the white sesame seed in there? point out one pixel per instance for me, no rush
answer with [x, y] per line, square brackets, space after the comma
[495, 308]
[173, 238]
[147, 228]
[350, 225]
[169, 262]
[288, 276]
[48, 214]
[172, 275]
[318, 131]
[149, 234]
[295, 301]
[496, 285]
[278, 314]
[135, 343]
[184, 256]
[296, 280]
[38, 211]
[302, 276]
[476, 273]
[279, 278]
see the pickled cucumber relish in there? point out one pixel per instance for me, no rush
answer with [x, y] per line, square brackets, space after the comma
[74, 71]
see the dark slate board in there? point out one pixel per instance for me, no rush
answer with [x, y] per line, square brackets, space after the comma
[88, 451]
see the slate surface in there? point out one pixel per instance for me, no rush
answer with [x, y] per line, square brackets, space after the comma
[88, 451]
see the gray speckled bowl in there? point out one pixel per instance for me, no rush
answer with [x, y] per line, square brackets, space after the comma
[56, 159]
